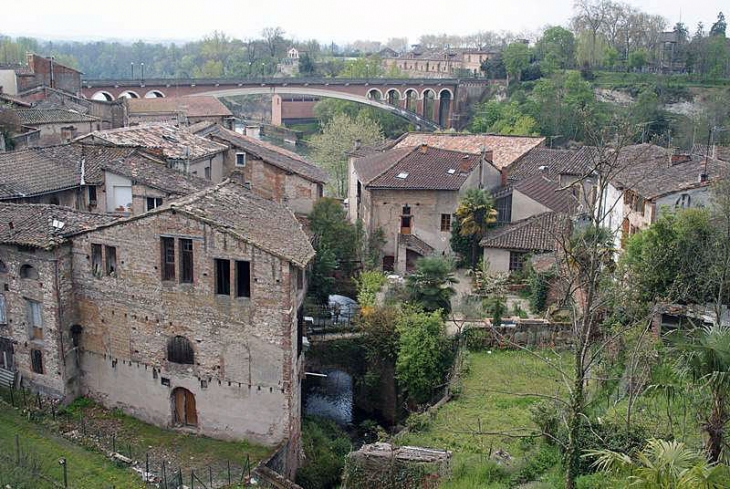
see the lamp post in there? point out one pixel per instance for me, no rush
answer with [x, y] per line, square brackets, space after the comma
[132, 67]
[263, 66]
[142, 67]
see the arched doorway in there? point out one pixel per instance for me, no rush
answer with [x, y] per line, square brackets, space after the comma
[103, 96]
[411, 100]
[393, 97]
[429, 102]
[184, 412]
[444, 107]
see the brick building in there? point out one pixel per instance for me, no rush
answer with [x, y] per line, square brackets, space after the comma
[187, 316]
[39, 71]
[439, 63]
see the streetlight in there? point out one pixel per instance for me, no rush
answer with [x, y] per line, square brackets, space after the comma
[263, 65]
[132, 65]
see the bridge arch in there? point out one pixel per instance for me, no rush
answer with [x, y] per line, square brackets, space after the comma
[393, 97]
[446, 98]
[407, 113]
[154, 94]
[429, 102]
[411, 96]
[129, 94]
[375, 94]
[103, 95]
[447, 91]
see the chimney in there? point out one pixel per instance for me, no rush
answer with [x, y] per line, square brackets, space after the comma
[503, 173]
[702, 178]
[423, 148]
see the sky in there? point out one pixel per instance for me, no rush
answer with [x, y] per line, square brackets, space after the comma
[339, 21]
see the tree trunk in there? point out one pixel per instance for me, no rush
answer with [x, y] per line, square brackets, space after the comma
[572, 451]
[715, 428]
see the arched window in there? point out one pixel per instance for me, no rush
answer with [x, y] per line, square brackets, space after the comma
[27, 271]
[180, 350]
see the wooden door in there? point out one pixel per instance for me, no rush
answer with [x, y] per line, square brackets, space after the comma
[184, 408]
[191, 414]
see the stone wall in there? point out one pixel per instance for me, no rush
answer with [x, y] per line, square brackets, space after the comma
[245, 376]
[532, 333]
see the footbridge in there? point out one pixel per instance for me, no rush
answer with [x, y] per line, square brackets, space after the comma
[428, 103]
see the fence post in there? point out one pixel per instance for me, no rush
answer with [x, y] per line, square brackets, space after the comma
[164, 473]
[12, 397]
[228, 462]
[17, 449]
[64, 464]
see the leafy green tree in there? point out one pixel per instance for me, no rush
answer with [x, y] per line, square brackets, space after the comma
[662, 465]
[370, 67]
[431, 284]
[325, 446]
[392, 126]
[719, 27]
[423, 356]
[556, 49]
[306, 65]
[338, 137]
[648, 114]
[503, 118]
[638, 59]
[493, 67]
[516, 58]
[610, 57]
[475, 214]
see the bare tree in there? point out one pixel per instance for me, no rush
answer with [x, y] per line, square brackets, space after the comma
[591, 15]
[272, 36]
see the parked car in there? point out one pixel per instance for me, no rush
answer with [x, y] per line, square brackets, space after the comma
[343, 309]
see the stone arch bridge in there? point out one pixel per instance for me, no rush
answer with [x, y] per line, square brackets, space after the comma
[428, 103]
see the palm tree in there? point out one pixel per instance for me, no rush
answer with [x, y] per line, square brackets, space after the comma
[431, 284]
[705, 359]
[475, 213]
[663, 465]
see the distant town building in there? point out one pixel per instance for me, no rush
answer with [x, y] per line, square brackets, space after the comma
[39, 71]
[177, 110]
[438, 63]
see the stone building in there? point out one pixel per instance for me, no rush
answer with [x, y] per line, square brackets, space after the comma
[176, 110]
[58, 125]
[95, 178]
[272, 172]
[439, 63]
[181, 149]
[188, 316]
[411, 194]
[37, 72]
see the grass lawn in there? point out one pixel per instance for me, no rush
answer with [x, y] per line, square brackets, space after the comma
[485, 401]
[42, 448]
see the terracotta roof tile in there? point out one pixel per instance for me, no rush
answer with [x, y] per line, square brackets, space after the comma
[505, 149]
[33, 224]
[198, 106]
[535, 233]
[540, 161]
[30, 117]
[548, 192]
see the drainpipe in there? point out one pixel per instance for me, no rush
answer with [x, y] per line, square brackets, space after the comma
[53, 85]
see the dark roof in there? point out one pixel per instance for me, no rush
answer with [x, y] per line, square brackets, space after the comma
[540, 161]
[174, 142]
[584, 161]
[418, 168]
[198, 106]
[535, 233]
[9, 99]
[143, 170]
[548, 192]
[648, 170]
[279, 157]
[33, 224]
[36, 171]
[233, 209]
[30, 117]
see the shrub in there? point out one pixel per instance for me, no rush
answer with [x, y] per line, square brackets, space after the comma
[368, 285]
[325, 447]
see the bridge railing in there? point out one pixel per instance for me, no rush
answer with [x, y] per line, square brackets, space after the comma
[256, 80]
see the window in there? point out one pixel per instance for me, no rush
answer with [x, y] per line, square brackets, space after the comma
[111, 260]
[207, 173]
[300, 279]
[186, 261]
[180, 350]
[153, 202]
[243, 279]
[516, 260]
[35, 319]
[92, 195]
[3, 316]
[96, 259]
[168, 258]
[445, 222]
[406, 210]
[27, 271]
[36, 361]
[222, 277]
[240, 159]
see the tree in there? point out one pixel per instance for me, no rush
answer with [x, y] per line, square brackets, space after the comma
[503, 118]
[516, 58]
[422, 354]
[475, 214]
[637, 59]
[273, 36]
[338, 137]
[493, 67]
[306, 65]
[719, 27]
[590, 16]
[431, 284]
[556, 49]
[662, 464]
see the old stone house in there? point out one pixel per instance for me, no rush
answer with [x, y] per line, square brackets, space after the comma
[95, 178]
[653, 179]
[176, 110]
[411, 194]
[58, 125]
[181, 149]
[187, 316]
[438, 63]
[272, 172]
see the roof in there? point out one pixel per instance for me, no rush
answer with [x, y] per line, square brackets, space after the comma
[32, 117]
[647, 170]
[548, 192]
[505, 149]
[535, 233]
[417, 168]
[33, 224]
[716, 151]
[274, 155]
[198, 106]
[9, 99]
[36, 171]
[174, 142]
[540, 161]
[233, 209]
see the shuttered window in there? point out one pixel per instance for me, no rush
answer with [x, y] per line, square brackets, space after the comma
[167, 246]
[180, 350]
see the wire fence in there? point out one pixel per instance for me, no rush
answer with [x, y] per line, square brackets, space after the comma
[150, 463]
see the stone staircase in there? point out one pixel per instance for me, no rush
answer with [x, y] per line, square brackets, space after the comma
[7, 378]
[413, 242]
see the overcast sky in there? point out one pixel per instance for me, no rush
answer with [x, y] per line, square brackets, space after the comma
[325, 20]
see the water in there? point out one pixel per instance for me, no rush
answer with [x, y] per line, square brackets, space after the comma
[330, 397]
